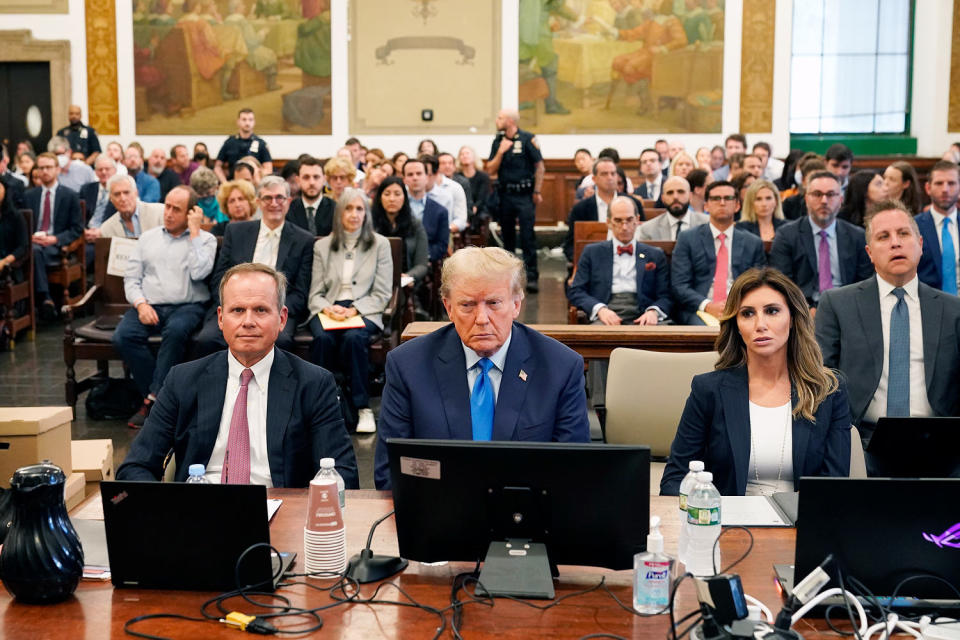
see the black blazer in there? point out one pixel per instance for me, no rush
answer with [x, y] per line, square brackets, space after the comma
[322, 217]
[754, 228]
[294, 259]
[593, 282]
[89, 193]
[715, 428]
[586, 211]
[13, 234]
[794, 207]
[850, 335]
[794, 253]
[642, 192]
[304, 422]
[15, 190]
[67, 219]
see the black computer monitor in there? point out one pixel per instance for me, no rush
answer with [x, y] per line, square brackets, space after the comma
[587, 504]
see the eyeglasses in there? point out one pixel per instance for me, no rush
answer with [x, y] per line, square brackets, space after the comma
[830, 195]
[722, 199]
[272, 199]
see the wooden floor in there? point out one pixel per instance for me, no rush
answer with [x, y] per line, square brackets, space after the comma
[32, 374]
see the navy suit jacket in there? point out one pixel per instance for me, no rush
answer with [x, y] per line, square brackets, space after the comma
[694, 261]
[586, 211]
[794, 253]
[322, 217]
[642, 192]
[426, 393]
[294, 260]
[715, 428]
[304, 422]
[931, 261]
[850, 335]
[593, 282]
[89, 193]
[436, 224]
[67, 220]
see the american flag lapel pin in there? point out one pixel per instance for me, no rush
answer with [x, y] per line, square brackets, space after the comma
[523, 375]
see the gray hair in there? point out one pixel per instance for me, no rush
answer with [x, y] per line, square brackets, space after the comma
[274, 181]
[121, 177]
[105, 158]
[256, 267]
[58, 142]
[488, 263]
[204, 181]
[339, 236]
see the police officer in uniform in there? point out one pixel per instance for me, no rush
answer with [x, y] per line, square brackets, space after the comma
[81, 138]
[515, 158]
[245, 143]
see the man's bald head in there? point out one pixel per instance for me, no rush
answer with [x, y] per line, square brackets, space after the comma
[676, 196]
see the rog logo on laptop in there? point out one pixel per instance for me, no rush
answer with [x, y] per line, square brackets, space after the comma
[949, 538]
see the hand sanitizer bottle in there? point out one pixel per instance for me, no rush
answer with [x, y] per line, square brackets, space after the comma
[651, 574]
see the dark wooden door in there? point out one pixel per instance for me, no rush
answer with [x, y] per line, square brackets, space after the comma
[25, 88]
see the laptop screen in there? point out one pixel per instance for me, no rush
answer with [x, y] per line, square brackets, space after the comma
[882, 531]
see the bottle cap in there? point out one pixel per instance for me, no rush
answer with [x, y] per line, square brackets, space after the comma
[326, 463]
[704, 476]
[696, 465]
[654, 538]
[196, 470]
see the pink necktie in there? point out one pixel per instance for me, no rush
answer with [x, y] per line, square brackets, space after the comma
[236, 465]
[826, 278]
[720, 273]
[45, 220]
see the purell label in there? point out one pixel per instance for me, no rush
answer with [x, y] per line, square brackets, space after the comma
[656, 570]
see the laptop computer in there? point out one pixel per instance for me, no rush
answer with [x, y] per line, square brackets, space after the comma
[915, 448]
[882, 531]
[171, 535]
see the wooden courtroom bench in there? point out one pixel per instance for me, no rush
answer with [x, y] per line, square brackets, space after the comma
[90, 338]
[597, 341]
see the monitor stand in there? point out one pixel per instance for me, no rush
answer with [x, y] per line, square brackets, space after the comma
[517, 568]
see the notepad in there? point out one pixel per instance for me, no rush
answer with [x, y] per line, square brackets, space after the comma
[329, 324]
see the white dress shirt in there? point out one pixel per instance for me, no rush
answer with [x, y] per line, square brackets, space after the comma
[728, 241]
[624, 275]
[268, 245]
[495, 374]
[457, 211]
[919, 405]
[771, 450]
[602, 208]
[256, 420]
[938, 219]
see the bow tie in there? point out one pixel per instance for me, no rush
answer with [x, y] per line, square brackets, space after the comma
[625, 249]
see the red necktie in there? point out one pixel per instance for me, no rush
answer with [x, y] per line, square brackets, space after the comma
[625, 249]
[45, 220]
[236, 465]
[720, 274]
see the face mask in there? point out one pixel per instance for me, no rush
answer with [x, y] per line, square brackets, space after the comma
[798, 177]
[63, 160]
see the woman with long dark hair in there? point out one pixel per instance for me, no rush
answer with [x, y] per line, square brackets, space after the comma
[392, 218]
[863, 189]
[770, 412]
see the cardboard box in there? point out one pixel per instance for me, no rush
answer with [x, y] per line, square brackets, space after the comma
[93, 458]
[73, 490]
[34, 434]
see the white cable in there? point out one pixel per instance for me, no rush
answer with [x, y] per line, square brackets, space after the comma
[763, 607]
[893, 623]
[826, 594]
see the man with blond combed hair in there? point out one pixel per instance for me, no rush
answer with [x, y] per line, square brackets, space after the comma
[485, 376]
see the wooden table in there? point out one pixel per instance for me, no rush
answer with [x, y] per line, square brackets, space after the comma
[99, 611]
[597, 341]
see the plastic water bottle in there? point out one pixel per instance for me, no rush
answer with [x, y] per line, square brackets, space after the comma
[196, 474]
[703, 517]
[651, 574]
[327, 471]
[686, 486]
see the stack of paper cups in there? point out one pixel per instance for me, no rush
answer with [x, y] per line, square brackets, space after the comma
[324, 535]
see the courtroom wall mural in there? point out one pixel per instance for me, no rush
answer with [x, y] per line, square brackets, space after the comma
[197, 62]
[424, 66]
[621, 66]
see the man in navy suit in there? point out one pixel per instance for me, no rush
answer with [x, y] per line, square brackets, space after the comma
[700, 280]
[805, 249]
[291, 418]
[433, 216]
[312, 210]
[485, 376]
[56, 213]
[939, 223]
[622, 281]
[594, 208]
[653, 178]
[271, 241]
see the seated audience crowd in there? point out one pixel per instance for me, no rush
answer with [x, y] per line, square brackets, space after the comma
[834, 290]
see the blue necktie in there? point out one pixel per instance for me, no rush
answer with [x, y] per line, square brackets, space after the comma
[898, 374]
[948, 264]
[482, 403]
